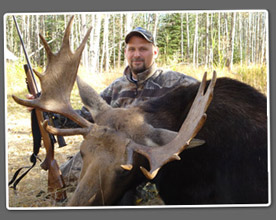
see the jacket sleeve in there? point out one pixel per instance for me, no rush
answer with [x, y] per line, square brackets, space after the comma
[106, 94]
[65, 122]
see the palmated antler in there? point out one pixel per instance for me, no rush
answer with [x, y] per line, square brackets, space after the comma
[58, 79]
[159, 156]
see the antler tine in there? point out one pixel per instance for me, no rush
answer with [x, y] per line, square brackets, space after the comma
[82, 45]
[58, 80]
[65, 132]
[46, 47]
[66, 38]
[55, 107]
[159, 156]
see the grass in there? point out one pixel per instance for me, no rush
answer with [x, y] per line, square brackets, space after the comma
[253, 75]
[32, 191]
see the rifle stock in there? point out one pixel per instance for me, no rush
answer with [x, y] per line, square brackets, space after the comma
[55, 180]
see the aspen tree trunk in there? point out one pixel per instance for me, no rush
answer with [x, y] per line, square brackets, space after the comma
[188, 36]
[91, 49]
[195, 53]
[105, 47]
[120, 41]
[257, 56]
[106, 36]
[263, 55]
[54, 32]
[128, 26]
[219, 56]
[223, 36]
[182, 40]
[23, 31]
[253, 39]
[9, 34]
[248, 39]
[43, 33]
[241, 40]
[83, 31]
[78, 31]
[211, 56]
[155, 25]
[207, 41]
[37, 38]
[232, 40]
[96, 43]
[226, 44]
[29, 31]
[128, 23]
[113, 40]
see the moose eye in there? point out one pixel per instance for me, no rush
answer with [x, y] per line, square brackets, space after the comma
[123, 173]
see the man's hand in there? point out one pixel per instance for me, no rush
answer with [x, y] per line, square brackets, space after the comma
[30, 96]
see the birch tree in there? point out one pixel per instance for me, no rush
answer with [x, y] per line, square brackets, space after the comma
[240, 38]
[83, 30]
[219, 56]
[155, 25]
[120, 41]
[128, 26]
[188, 36]
[232, 40]
[264, 39]
[207, 41]
[195, 54]
[105, 46]
[182, 37]
[95, 44]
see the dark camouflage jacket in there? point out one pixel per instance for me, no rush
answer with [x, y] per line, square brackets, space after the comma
[153, 82]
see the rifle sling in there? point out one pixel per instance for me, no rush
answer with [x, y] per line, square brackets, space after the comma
[36, 146]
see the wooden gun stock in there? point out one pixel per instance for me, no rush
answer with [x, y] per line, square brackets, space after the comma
[56, 183]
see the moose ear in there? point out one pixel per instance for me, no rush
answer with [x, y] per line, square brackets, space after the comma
[91, 99]
[160, 137]
[157, 137]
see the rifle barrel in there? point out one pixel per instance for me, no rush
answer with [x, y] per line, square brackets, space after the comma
[25, 53]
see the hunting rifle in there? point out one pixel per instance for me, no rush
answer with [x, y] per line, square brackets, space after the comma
[55, 180]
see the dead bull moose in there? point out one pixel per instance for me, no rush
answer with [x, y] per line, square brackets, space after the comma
[229, 168]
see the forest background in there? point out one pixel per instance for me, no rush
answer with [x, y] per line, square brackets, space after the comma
[234, 43]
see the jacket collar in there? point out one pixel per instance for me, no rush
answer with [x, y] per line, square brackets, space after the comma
[141, 77]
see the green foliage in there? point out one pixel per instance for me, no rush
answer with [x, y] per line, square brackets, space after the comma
[173, 31]
[168, 37]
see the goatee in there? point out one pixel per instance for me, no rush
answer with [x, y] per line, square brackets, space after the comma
[138, 69]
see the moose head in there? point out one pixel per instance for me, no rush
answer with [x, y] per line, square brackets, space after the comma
[120, 143]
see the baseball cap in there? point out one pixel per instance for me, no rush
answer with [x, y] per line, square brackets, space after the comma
[145, 33]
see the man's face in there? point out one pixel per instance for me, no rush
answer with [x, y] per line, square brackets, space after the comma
[140, 54]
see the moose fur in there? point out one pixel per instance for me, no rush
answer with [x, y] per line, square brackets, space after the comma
[231, 167]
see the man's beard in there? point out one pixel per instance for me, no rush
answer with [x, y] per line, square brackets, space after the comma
[138, 69]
